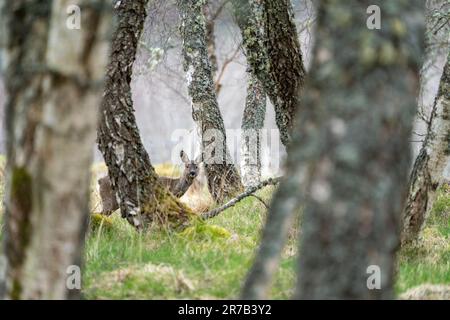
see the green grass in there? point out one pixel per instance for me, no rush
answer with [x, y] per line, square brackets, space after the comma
[428, 261]
[211, 261]
[207, 262]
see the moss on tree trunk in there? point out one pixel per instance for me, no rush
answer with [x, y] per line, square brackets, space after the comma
[272, 48]
[53, 89]
[142, 198]
[223, 178]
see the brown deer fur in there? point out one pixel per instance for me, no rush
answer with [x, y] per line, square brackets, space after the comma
[178, 186]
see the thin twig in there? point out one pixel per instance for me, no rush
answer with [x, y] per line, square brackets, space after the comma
[225, 64]
[213, 213]
[219, 10]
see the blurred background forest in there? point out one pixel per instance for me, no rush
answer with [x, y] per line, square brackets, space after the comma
[242, 249]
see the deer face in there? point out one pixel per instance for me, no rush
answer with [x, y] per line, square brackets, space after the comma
[191, 167]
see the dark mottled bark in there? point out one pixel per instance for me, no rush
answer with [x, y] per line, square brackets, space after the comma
[273, 53]
[53, 79]
[427, 172]
[223, 178]
[356, 150]
[252, 123]
[142, 198]
[350, 153]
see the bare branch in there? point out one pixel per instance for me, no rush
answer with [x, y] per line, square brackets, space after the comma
[225, 64]
[215, 212]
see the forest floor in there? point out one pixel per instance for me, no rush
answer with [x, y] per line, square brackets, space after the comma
[208, 261]
[211, 260]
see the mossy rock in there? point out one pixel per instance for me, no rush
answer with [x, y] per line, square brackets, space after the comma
[206, 231]
[99, 220]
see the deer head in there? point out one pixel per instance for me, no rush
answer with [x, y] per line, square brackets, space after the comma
[191, 167]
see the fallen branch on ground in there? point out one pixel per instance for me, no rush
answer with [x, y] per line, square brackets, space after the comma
[214, 212]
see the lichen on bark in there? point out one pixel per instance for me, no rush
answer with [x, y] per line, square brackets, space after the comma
[53, 89]
[141, 196]
[353, 147]
[252, 124]
[272, 48]
[349, 159]
[223, 178]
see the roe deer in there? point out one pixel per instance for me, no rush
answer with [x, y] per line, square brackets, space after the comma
[178, 186]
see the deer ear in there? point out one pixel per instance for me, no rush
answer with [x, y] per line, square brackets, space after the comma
[198, 159]
[184, 157]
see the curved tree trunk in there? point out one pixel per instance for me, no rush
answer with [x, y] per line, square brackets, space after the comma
[53, 81]
[273, 54]
[429, 166]
[223, 178]
[141, 196]
[252, 123]
[350, 155]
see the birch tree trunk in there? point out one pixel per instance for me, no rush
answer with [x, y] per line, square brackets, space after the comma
[141, 196]
[223, 179]
[350, 155]
[53, 79]
[427, 172]
[252, 123]
[272, 48]
[356, 151]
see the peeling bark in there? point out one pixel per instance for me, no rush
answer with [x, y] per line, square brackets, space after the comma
[272, 48]
[53, 79]
[427, 172]
[223, 179]
[141, 196]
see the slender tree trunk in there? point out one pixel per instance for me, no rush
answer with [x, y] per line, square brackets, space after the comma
[429, 166]
[350, 154]
[53, 79]
[279, 221]
[274, 57]
[252, 123]
[223, 178]
[273, 53]
[141, 196]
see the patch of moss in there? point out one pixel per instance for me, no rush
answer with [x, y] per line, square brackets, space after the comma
[101, 221]
[207, 231]
[164, 208]
[22, 197]
[21, 189]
